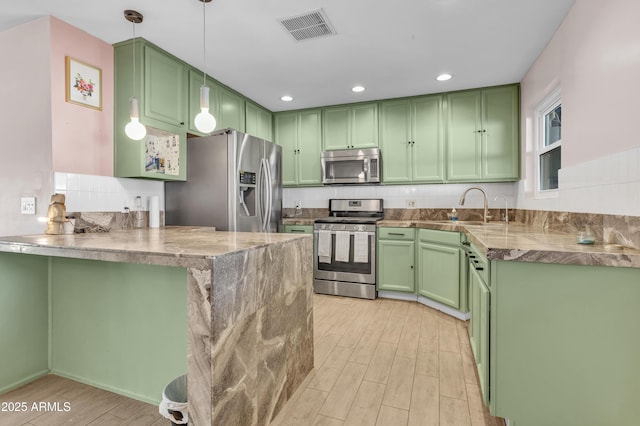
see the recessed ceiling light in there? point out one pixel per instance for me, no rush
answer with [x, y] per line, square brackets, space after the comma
[286, 98]
[357, 89]
[444, 77]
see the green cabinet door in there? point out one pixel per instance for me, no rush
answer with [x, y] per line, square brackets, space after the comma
[165, 88]
[350, 126]
[299, 134]
[230, 110]
[310, 147]
[395, 141]
[500, 136]
[286, 135]
[428, 139]
[483, 135]
[395, 265]
[364, 125]
[336, 128]
[464, 136]
[258, 121]
[412, 140]
[439, 273]
[479, 303]
[396, 257]
[195, 82]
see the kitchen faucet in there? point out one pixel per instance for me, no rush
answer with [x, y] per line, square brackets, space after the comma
[506, 207]
[484, 195]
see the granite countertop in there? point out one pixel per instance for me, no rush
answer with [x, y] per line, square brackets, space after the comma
[526, 243]
[171, 245]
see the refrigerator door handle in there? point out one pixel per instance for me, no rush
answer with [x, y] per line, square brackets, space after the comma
[264, 166]
[267, 222]
[261, 194]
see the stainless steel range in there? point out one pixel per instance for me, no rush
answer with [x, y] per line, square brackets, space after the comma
[345, 248]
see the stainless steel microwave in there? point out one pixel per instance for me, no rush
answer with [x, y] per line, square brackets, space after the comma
[348, 166]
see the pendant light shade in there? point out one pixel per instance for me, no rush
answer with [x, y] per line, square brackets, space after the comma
[204, 121]
[134, 129]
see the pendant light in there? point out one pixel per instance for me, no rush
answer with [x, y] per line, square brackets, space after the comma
[204, 121]
[134, 129]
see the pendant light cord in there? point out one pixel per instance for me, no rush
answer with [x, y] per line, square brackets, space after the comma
[204, 41]
[134, 58]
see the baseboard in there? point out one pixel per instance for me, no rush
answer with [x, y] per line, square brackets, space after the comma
[24, 381]
[113, 389]
[397, 295]
[464, 316]
[444, 308]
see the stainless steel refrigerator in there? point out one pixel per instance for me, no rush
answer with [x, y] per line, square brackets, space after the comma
[234, 182]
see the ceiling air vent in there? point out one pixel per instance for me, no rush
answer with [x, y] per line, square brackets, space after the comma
[307, 26]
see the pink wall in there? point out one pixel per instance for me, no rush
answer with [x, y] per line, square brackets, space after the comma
[25, 120]
[82, 137]
[594, 58]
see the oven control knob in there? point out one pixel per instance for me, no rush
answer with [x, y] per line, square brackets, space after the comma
[343, 227]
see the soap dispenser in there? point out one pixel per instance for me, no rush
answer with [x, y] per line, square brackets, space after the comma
[453, 215]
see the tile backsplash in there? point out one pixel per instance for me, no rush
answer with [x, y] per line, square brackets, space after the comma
[444, 196]
[88, 193]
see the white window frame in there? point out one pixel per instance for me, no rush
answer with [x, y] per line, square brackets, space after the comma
[551, 102]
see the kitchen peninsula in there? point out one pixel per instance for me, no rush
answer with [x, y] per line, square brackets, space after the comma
[241, 328]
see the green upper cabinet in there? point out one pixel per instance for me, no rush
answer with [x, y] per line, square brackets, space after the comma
[350, 126]
[195, 82]
[225, 105]
[165, 88]
[161, 87]
[299, 134]
[483, 135]
[258, 121]
[230, 110]
[412, 140]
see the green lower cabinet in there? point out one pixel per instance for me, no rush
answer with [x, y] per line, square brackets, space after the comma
[396, 258]
[564, 344]
[297, 229]
[442, 273]
[439, 273]
[479, 306]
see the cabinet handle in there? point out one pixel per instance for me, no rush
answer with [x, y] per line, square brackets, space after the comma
[296, 230]
[484, 131]
[182, 123]
[479, 268]
[466, 243]
[411, 266]
[396, 233]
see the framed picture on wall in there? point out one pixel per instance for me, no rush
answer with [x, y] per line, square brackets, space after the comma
[84, 84]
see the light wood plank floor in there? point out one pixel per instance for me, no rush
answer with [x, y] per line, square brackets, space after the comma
[387, 362]
[88, 406]
[377, 362]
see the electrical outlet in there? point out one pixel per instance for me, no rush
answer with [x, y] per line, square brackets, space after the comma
[411, 204]
[298, 204]
[28, 205]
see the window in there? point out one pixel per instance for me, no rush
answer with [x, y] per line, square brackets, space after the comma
[549, 143]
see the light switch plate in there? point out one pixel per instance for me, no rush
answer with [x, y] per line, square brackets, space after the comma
[28, 205]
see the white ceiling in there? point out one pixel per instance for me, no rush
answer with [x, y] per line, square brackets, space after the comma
[393, 48]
